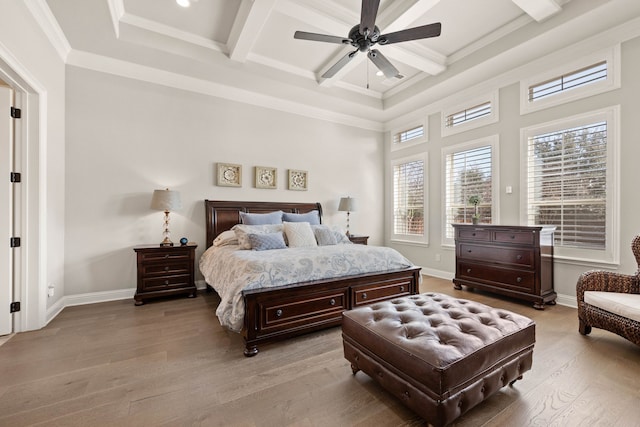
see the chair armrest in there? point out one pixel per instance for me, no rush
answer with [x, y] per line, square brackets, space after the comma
[605, 281]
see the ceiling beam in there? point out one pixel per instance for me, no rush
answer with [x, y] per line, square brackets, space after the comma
[399, 15]
[247, 26]
[539, 9]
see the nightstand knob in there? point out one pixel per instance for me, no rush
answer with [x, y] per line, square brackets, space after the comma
[279, 313]
[518, 256]
[364, 295]
[401, 288]
[332, 302]
[468, 270]
[519, 279]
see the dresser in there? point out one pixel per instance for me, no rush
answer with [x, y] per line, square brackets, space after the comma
[165, 271]
[516, 261]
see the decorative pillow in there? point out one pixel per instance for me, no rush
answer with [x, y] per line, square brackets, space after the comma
[242, 232]
[261, 219]
[324, 235]
[266, 241]
[299, 234]
[312, 217]
[226, 238]
[339, 234]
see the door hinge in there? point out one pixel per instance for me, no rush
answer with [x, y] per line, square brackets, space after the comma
[16, 113]
[16, 177]
[14, 242]
[14, 306]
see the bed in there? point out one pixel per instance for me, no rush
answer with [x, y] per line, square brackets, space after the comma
[280, 312]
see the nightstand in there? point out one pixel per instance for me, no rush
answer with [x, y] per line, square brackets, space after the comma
[360, 240]
[164, 271]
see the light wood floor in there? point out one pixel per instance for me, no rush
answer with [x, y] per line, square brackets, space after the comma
[169, 363]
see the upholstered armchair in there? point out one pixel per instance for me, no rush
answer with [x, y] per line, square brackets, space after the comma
[611, 301]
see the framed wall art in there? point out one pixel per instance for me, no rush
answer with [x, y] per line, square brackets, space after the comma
[229, 175]
[298, 180]
[266, 177]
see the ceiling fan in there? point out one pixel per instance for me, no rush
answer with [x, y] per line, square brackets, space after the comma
[365, 35]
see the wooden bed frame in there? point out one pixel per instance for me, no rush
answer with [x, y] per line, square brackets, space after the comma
[279, 313]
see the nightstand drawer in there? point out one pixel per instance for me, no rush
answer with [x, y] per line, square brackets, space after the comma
[164, 282]
[164, 255]
[166, 269]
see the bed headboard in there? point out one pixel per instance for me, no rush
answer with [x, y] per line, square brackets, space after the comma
[221, 215]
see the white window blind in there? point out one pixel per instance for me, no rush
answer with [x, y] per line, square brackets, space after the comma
[567, 183]
[468, 173]
[408, 198]
[409, 135]
[584, 76]
[468, 114]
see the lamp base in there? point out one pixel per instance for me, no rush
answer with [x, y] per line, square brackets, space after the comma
[166, 242]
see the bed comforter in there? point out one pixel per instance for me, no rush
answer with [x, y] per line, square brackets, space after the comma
[230, 270]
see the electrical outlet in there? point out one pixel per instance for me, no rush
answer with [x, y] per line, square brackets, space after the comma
[438, 257]
[51, 290]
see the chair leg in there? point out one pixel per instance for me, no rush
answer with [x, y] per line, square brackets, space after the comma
[583, 328]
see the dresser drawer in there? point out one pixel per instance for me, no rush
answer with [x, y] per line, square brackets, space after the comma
[164, 255]
[367, 294]
[512, 256]
[165, 282]
[165, 268]
[474, 234]
[506, 277]
[322, 306]
[516, 237]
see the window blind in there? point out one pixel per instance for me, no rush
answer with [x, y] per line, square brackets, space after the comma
[584, 76]
[408, 200]
[567, 184]
[468, 114]
[408, 135]
[468, 173]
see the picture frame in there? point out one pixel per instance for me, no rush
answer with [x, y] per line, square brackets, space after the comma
[229, 175]
[298, 180]
[266, 177]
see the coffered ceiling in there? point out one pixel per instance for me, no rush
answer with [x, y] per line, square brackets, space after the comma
[245, 49]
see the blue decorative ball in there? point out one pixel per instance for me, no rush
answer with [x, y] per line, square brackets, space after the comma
[184, 241]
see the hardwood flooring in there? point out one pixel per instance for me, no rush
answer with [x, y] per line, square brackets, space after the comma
[170, 363]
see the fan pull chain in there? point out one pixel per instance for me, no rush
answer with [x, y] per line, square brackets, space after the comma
[367, 74]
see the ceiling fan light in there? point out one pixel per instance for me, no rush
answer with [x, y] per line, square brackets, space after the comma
[379, 73]
[183, 3]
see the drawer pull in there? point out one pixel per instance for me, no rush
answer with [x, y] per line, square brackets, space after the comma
[278, 313]
[166, 282]
[166, 256]
[166, 268]
[518, 256]
[513, 236]
[468, 270]
[364, 295]
[332, 302]
[469, 250]
[401, 288]
[519, 279]
[473, 234]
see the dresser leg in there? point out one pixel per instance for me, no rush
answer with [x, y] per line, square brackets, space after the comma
[538, 305]
[139, 302]
[250, 350]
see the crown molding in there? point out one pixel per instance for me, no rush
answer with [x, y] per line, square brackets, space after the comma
[45, 19]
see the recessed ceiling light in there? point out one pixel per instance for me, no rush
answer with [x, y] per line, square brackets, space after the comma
[183, 3]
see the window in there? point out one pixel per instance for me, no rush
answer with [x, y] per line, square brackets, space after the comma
[569, 169]
[409, 197]
[408, 136]
[471, 114]
[594, 73]
[590, 75]
[469, 171]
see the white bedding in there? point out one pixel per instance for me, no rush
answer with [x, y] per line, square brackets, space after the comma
[230, 270]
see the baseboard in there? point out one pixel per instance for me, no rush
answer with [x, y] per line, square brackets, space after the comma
[440, 274]
[88, 298]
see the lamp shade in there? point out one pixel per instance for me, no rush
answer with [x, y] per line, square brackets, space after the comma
[347, 204]
[166, 200]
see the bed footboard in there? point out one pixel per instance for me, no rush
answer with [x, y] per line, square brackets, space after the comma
[280, 313]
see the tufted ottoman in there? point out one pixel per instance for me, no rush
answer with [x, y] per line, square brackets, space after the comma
[440, 355]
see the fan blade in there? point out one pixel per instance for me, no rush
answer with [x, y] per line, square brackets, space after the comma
[303, 35]
[423, 32]
[338, 65]
[368, 16]
[383, 63]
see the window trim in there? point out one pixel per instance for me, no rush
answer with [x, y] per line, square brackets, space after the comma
[412, 142]
[405, 238]
[610, 255]
[613, 81]
[494, 142]
[493, 117]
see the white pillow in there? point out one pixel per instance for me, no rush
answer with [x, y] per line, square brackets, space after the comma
[226, 238]
[242, 232]
[299, 234]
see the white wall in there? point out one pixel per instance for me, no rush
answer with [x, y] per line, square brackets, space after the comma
[508, 130]
[126, 138]
[29, 58]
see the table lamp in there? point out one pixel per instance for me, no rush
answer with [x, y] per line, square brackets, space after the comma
[167, 201]
[347, 204]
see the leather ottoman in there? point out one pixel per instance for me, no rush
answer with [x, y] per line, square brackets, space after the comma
[440, 355]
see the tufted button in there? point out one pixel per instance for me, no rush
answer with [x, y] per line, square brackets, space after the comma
[482, 390]
[406, 394]
[460, 403]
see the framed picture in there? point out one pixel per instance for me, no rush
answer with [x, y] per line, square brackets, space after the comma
[266, 177]
[229, 175]
[298, 180]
